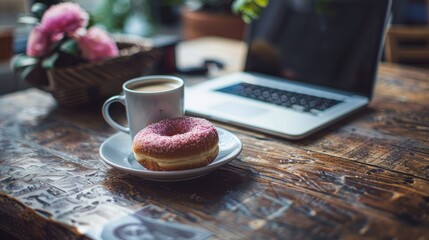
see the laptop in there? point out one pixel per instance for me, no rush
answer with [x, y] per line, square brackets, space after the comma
[309, 63]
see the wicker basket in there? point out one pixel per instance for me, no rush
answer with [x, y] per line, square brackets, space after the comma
[89, 82]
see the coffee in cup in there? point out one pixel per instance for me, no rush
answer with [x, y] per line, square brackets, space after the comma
[154, 87]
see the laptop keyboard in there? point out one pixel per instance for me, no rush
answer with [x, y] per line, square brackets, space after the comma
[293, 100]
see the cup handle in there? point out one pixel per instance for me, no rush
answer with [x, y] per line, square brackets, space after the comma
[108, 118]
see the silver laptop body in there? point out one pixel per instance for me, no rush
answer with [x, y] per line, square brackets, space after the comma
[303, 82]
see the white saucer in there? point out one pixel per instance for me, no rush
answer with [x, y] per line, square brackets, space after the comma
[116, 151]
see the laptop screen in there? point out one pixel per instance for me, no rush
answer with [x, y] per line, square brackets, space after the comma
[331, 43]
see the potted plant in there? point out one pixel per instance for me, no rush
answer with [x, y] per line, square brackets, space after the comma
[219, 17]
[76, 62]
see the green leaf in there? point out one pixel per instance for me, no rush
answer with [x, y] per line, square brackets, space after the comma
[56, 45]
[70, 47]
[38, 9]
[25, 72]
[261, 3]
[22, 60]
[49, 62]
[33, 75]
[246, 19]
[249, 9]
[28, 20]
[237, 5]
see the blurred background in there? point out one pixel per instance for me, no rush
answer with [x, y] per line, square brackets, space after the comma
[407, 40]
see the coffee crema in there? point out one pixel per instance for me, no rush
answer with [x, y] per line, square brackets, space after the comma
[155, 87]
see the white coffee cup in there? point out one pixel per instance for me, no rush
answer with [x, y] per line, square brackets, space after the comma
[147, 100]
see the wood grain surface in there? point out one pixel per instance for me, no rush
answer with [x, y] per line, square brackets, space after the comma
[366, 177]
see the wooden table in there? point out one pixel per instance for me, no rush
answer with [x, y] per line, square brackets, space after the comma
[365, 177]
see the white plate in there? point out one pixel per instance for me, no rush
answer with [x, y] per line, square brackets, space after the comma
[116, 151]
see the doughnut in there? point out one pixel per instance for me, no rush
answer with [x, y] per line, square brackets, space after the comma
[176, 144]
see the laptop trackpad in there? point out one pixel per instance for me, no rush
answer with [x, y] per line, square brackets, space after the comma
[239, 109]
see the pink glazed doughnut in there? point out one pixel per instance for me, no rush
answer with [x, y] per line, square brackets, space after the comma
[176, 144]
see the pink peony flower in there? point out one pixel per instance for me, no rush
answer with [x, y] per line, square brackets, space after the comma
[56, 37]
[64, 17]
[96, 44]
[38, 42]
